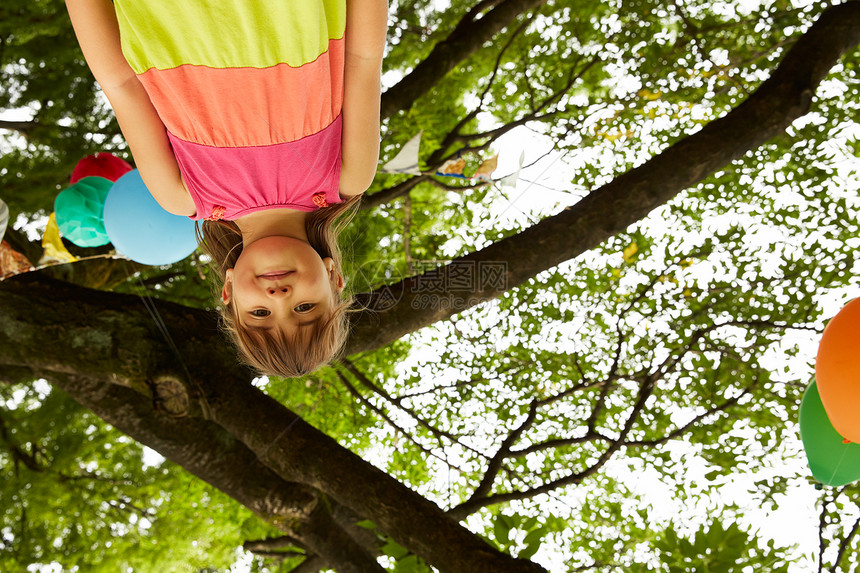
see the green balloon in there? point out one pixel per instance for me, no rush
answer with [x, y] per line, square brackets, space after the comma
[832, 462]
[80, 212]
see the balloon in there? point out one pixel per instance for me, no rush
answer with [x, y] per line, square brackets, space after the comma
[4, 218]
[837, 370]
[79, 212]
[105, 165]
[832, 462]
[141, 229]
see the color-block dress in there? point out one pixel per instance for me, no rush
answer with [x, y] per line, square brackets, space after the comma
[251, 94]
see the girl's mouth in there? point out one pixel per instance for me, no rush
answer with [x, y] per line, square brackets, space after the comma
[274, 275]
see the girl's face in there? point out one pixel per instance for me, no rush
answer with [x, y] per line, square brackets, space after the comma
[281, 282]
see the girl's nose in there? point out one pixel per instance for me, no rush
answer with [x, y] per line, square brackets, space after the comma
[278, 290]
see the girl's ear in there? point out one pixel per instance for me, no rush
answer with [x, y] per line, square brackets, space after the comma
[227, 291]
[333, 276]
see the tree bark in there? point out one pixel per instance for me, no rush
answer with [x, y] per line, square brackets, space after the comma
[212, 454]
[115, 355]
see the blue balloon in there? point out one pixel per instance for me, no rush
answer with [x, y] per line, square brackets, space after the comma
[141, 229]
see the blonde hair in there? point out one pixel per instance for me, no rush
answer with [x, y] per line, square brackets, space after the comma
[273, 352]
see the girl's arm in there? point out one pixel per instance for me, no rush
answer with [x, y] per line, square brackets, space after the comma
[97, 30]
[366, 26]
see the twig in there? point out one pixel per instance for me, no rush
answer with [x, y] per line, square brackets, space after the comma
[822, 523]
[683, 429]
[572, 390]
[398, 402]
[466, 508]
[277, 555]
[18, 453]
[392, 423]
[843, 547]
[559, 442]
[504, 449]
[407, 232]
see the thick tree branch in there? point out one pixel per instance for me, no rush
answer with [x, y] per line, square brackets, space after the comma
[208, 452]
[786, 96]
[467, 37]
[374, 200]
[299, 452]
[312, 564]
[338, 549]
[107, 332]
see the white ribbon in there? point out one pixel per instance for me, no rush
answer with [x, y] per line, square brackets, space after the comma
[4, 218]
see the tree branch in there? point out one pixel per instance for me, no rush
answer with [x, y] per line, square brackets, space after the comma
[686, 427]
[25, 128]
[503, 452]
[469, 507]
[843, 546]
[270, 544]
[441, 154]
[780, 100]
[467, 37]
[277, 555]
[113, 332]
[398, 402]
[385, 417]
[822, 523]
[207, 451]
[18, 453]
[559, 442]
[374, 200]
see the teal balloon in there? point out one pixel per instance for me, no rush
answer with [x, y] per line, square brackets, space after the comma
[832, 462]
[141, 229]
[79, 210]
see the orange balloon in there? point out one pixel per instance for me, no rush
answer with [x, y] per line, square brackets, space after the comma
[837, 370]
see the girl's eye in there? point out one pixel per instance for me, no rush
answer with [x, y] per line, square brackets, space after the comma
[260, 312]
[306, 307]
